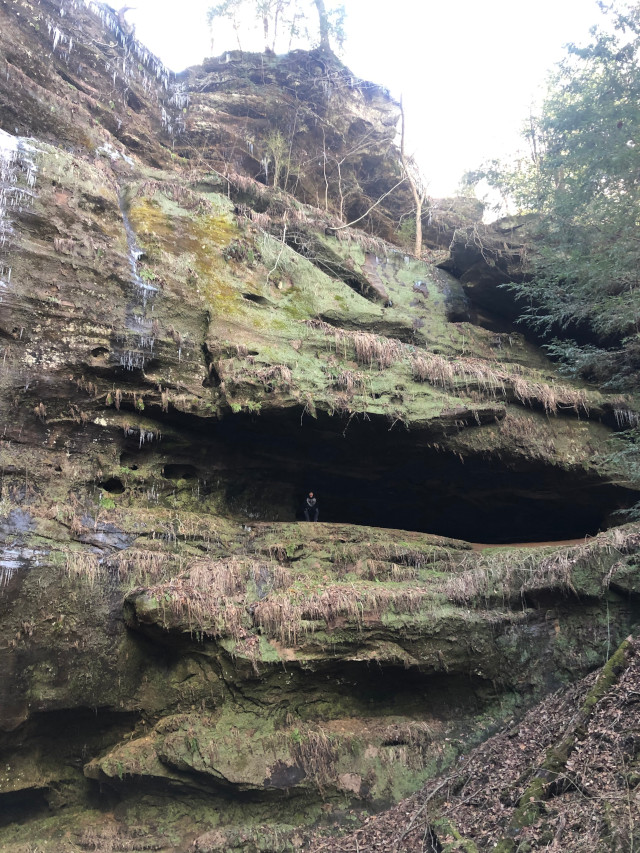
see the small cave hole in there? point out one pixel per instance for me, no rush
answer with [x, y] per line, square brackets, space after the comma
[213, 378]
[179, 472]
[134, 102]
[113, 485]
[20, 806]
[99, 352]
[255, 297]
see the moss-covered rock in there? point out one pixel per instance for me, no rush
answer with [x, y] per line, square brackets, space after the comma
[188, 346]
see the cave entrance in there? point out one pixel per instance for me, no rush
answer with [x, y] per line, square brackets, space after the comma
[367, 474]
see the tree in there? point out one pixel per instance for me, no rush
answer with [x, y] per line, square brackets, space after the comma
[582, 181]
[416, 182]
[231, 10]
[323, 23]
[291, 18]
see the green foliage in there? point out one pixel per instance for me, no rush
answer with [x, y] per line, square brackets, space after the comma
[147, 275]
[406, 231]
[235, 251]
[582, 180]
[277, 149]
[625, 455]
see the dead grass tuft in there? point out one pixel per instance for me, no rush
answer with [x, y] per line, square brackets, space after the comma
[139, 565]
[372, 349]
[471, 375]
[84, 565]
[113, 838]
[216, 597]
[316, 752]
[287, 617]
[64, 246]
[349, 381]
[402, 556]
[278, 552]
[383, 571]
[510, 576]
[372, 245]
[275, 376]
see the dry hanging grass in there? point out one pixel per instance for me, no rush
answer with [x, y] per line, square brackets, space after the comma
[372, 349]
[511, 576]
[350, 556]
[349, 381]
[471, 373]
[275, 376]
[382, 571]
[84, 565]
[247, 184]
[468, 374]
[287, 617]
[372, 245]
[316, 752]
[139, 565]
[433, 369]
[215, 596]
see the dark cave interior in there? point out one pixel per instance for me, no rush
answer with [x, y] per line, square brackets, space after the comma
[363, 472]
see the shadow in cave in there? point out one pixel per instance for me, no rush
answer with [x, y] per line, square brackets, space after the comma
[22, 806]
[366, 474]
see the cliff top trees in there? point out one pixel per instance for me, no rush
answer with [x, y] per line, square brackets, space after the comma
[582, 180]
[284, 21]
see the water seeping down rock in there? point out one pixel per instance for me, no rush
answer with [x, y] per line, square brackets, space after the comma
[191, 341]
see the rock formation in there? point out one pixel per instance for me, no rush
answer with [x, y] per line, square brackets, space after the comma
[192, 336]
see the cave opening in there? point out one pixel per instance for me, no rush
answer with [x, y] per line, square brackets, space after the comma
[22, 806]
[113, 485]
[365, 473]
[179, 472]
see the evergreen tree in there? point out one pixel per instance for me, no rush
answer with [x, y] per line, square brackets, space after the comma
[582, 181]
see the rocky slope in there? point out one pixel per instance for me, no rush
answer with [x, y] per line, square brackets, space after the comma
[564, 777]
[191, 338]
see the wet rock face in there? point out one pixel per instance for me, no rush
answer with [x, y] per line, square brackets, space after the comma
[184, 354]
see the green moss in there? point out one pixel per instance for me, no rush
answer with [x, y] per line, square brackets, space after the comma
[446, 829]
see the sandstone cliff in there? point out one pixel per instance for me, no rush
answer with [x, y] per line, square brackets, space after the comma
[192, 337]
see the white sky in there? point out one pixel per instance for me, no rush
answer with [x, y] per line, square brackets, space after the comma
[468, 69]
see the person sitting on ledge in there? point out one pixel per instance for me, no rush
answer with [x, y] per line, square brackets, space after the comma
[311, 508]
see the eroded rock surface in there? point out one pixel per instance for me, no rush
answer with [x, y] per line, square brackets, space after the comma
[191, 338]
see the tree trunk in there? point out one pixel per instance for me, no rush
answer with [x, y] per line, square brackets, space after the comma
[324, 25]
[416, 190]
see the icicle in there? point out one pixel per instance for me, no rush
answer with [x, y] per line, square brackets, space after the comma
[18, 173]
[626, 418]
